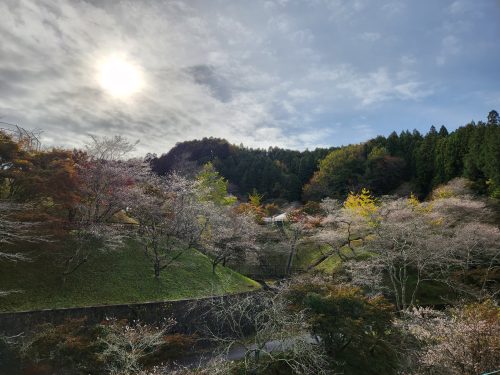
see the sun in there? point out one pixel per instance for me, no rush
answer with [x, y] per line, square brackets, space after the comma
[119, 77]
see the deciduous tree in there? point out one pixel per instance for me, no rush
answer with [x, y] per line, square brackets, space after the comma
[171, 218]
[230, 236]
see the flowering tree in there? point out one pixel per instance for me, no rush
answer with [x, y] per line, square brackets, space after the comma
[125, 345]
[14, 232]
[105, 189]
[344, 225]
[171, 219]
[410, 243]
[464, 340]
[230, 235]
[442, 240]
[477, 260]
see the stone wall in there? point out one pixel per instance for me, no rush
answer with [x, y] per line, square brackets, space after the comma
[185, 312]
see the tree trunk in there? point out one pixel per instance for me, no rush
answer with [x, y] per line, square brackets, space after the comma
[290, 260]
[157, 269]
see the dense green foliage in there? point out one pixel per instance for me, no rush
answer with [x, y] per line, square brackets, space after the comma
[382, 164]
[275, 173]
[425, 161]
[355, 330]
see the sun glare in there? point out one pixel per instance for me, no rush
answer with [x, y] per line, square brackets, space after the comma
[119, 77]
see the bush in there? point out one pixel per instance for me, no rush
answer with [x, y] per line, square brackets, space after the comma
[112, 347]
[70, 348]
[9, 356]
[356, 330]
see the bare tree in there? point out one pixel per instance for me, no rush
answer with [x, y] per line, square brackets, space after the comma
[12, 231]
[124, 344]
[171, 219]
[15, 232]
[111, 149]
[90, 238]
[261, 330]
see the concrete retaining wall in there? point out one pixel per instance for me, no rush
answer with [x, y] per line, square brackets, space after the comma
[185, 312]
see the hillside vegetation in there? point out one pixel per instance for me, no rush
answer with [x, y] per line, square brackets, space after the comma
[405, 283]
[399, 163]
[119, 277]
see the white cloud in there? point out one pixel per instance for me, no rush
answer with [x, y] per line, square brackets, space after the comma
[450, 46]
[370, 36]
[393, 8]
[407, 60]
[262, 73]
[460, 7]
[302, 94]
[374, 87]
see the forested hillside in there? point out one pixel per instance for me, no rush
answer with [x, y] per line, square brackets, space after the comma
[275, 173]
[404, 162]
[382, 164]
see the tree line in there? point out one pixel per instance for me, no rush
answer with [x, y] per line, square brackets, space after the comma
[274, 173]
[399, 163]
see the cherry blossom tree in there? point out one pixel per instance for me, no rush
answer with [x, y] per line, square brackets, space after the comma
[340, 229]
[409, 242]
[171, 219]
[14, 231]
[476, 248]
[461, 341]
[126, 344]
[230, 236]
[105, 188]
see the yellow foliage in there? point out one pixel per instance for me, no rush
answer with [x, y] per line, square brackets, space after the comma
[437, 222]
[415, 204]
[413, 201]
[362, 204]
[442, 192]
[255, 198]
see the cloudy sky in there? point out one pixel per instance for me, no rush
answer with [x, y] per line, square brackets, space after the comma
[291, 73]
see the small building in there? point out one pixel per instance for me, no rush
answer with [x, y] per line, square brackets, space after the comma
[281, 218]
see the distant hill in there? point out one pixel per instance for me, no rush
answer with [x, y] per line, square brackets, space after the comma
[400, 163]
[275, 172]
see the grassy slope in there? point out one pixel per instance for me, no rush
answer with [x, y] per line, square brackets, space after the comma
[309, 252]
[112, 278]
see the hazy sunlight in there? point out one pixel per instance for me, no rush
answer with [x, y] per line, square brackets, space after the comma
[119, 77]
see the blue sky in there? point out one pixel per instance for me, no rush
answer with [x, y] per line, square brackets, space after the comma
[290, 73]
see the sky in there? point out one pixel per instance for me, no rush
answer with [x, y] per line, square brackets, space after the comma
[289, 73]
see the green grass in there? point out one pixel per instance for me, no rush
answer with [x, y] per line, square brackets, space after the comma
[309, 252]
[118, 277]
